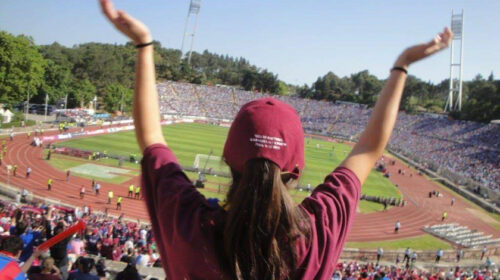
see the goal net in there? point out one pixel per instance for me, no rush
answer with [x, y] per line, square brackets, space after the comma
[210, 162]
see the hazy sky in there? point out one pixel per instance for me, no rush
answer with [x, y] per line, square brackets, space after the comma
[298, 40]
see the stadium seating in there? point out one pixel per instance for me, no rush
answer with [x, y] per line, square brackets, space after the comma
[465, 152]
[461, 235]
[356, 270]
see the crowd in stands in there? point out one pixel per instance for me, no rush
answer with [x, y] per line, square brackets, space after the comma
[77, 115]
[371, 271]
[468, 150]
[82, 254]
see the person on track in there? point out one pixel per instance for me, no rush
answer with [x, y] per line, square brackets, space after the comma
[258, 232]
[137, 192]
[82, 192]
[110, 197]
[397, 226]
[130, 191]
[444, 216]
[49, 184]
[119, 203]
[28, 172]
[97, 188]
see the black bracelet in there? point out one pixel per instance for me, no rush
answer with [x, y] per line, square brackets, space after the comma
[143, 45]
[399, 69]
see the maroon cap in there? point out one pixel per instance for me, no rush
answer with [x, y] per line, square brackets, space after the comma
[266, 128]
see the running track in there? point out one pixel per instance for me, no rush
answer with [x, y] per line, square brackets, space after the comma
[418, 212]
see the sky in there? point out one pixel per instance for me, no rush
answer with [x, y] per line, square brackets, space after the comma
[298, 40]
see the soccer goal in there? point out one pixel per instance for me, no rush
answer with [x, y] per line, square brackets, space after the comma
[210, 162]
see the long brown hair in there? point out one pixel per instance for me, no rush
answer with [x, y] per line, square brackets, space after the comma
[261, 225]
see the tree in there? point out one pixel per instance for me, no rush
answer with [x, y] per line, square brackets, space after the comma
[117, 98]
[57, 82]
[367, 86]
[81, 93]
[483, 101]
[283, 88]
[249, 81]
[21, 68]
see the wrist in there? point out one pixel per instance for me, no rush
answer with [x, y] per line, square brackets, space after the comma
[402, 62]
[143, 46]
[143, 39]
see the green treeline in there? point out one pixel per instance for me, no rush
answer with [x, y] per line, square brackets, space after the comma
[107, 71]
[481, 97]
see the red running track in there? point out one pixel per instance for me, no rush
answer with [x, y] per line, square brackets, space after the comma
[418, 212]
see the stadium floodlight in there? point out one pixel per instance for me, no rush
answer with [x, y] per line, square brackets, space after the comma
[193, 12]
[454, 102]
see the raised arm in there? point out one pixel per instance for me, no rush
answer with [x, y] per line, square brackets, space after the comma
[146, 110]
[376, 134]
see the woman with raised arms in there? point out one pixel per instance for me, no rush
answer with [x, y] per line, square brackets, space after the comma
[259, 233]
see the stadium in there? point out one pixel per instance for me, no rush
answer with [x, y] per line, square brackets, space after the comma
[429, 208]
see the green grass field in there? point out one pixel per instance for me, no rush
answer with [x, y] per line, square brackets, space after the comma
[188, 140]
[64, 163]
[422, 242]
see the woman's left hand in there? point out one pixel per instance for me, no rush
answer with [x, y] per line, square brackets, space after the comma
[129, 26]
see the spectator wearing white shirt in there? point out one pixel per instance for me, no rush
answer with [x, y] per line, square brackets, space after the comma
[380, 252]
[143, 258]
[439, 254]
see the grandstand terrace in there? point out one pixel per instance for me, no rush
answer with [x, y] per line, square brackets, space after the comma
[465, 152]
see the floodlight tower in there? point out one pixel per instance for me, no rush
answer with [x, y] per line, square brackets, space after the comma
[454, 102]
[193, 12]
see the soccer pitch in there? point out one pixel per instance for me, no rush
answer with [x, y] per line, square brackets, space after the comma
[189, 140]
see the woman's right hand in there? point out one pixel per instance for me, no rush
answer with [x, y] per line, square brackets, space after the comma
[129, 26]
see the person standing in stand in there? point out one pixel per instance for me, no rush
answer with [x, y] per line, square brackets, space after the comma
[460, 254]
[439, 254]
[380, 252]
[413, 257]
[407, 254]
[12, 247]
[483, 252]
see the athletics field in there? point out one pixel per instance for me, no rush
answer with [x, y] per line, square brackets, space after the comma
[189, 140]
